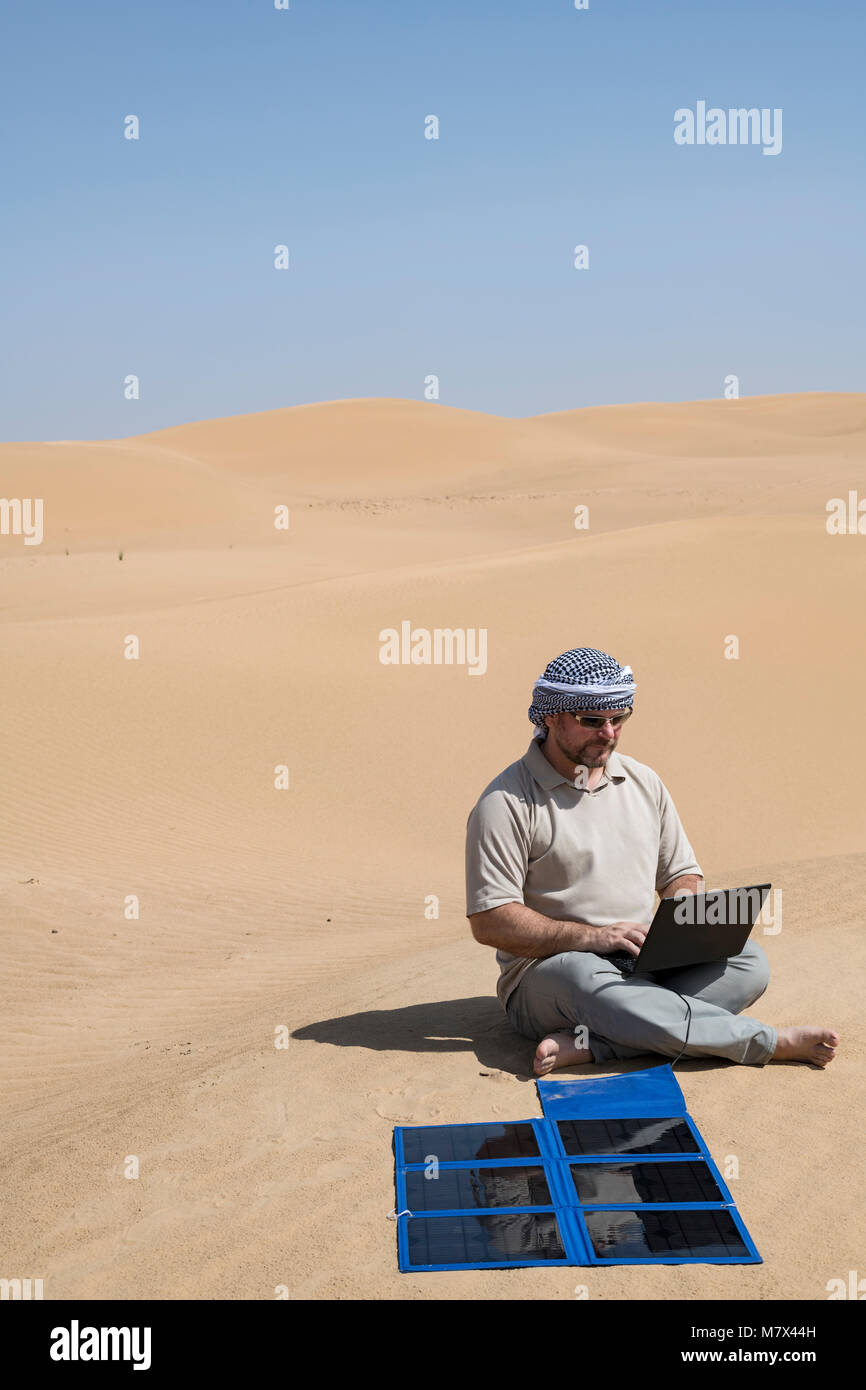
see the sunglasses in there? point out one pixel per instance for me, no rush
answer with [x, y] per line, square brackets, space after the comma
[598, 721]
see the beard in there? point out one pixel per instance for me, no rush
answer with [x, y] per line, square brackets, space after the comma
[592, 754]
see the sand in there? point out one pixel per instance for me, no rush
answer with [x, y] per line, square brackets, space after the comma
[263, 1168]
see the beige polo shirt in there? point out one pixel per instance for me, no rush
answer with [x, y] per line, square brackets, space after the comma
[575, 855]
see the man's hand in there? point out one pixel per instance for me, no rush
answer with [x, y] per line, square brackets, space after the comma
[621, 936]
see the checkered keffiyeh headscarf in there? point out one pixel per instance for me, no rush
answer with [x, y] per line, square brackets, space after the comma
[581, 679]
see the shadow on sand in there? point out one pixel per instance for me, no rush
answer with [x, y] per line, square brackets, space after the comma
[476, 1025]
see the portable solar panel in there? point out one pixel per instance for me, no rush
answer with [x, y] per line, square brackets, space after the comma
[615, 1173]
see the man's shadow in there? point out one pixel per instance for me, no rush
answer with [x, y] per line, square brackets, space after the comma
[476, 1025]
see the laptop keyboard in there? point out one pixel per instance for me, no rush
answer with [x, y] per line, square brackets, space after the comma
[624, 959]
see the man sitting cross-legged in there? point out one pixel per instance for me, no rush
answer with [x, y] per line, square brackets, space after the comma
[564, 852]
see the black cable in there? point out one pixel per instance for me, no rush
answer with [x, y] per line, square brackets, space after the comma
[688, 1015]
[688, 1024]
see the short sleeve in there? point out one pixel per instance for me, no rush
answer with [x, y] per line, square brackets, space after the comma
[497, 853]
[676, 856]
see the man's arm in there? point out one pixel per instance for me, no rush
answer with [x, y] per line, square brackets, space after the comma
[517, 929]
[520, 931]
[686, 883]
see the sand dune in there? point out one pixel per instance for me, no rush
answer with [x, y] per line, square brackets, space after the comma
[420, 473]
[305, 908]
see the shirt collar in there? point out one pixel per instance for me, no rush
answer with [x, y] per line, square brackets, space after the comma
[547, 776]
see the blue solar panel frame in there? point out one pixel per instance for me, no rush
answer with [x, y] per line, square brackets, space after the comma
[650, 1095]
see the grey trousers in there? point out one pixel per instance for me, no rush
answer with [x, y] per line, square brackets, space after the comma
[628, 1015]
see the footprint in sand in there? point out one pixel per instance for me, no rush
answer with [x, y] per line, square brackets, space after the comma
[406, 1104]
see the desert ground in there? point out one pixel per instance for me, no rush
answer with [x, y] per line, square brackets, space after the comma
[296, 914]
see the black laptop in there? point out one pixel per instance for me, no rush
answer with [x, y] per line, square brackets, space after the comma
[695, 928]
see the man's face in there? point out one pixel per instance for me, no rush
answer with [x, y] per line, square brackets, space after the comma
[591, 747]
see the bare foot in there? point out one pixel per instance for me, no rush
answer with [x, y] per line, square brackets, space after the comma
[560, 1050]
[816, 1045]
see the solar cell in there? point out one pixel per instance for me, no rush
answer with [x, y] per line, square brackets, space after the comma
[606, 1183]
[627, 1136]
[474, 1240]
[633, 1235]
[453, 1143]
[455, 1189]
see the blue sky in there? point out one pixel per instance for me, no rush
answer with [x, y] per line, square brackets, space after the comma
[412, 257]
